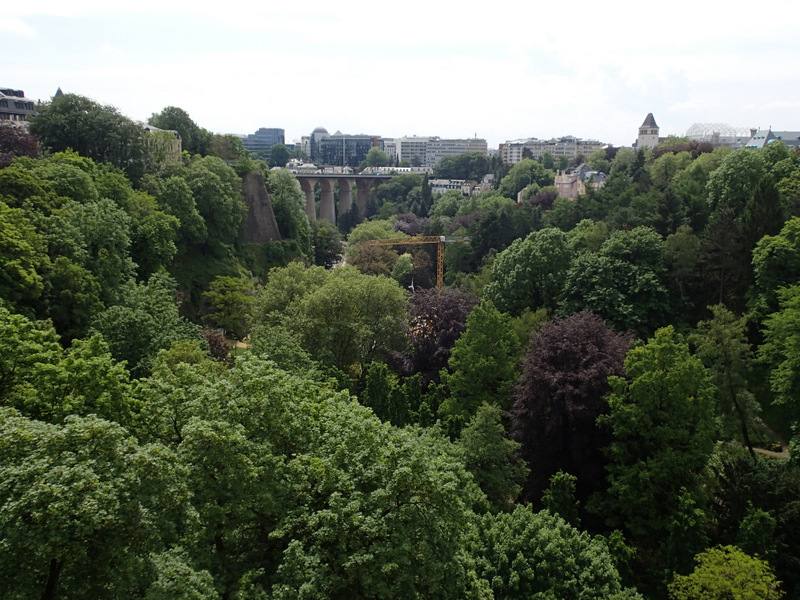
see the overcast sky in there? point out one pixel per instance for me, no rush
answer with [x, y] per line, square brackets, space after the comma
[500, 70]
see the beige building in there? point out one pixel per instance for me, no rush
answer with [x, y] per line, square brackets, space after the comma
[572, 183]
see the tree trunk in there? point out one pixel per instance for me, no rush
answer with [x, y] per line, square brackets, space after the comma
[49, 592]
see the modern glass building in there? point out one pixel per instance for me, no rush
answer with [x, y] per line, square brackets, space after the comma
[341, 149]
[261, 141]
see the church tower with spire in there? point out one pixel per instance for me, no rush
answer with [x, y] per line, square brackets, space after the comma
[648, 133]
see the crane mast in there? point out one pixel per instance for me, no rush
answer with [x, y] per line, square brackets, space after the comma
[439, 240]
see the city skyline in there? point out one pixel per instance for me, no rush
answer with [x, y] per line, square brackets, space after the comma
[514, 71]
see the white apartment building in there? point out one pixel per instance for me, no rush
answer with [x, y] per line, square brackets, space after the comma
[440, 186]
[569, 146]
[427, 151]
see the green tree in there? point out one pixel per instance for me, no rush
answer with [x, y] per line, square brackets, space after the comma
[755, 509]
[23, 259]
[530, 273]
[352, 319]
[492, 458]
[153, 235]
[174, 196]
[757, 534]
[288, 204]
[79, 507]
[72, 297]
[70, 175]
[686, 536]
[300, 492]
[726, 572]
[483, 365]
[681, 250]
[97, 132]
[384, 394]
[523, 554]
[780, 351]
[23, 345]
[470, 165]
[733, 183]
[177, 580]
[378, 158]
[622, 283]
[342, 318]
[102, 236]
[23, 189]
[403, 269]
[448, 204]
[278, 156]
[723, 347]
[227, 147]
[194, 139]
[776, 264]
[230, 298]
[524, 173]
[326, 244]
[217, 191]
[662, 421]
[369, 259]
[398, 195]
[560, 500]
[85, 380]
[789, 189]
[145, 321]
[746, 206]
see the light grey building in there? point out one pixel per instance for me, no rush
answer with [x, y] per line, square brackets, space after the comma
[648, 133]
[427, 151]
[761, 138]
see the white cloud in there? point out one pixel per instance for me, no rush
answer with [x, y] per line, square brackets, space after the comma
[16, 27]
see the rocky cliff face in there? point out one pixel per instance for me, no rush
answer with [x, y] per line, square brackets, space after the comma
[261, 226]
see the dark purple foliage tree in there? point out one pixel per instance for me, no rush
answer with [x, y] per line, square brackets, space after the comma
[16, 141]
[410, 224]
[438, 318]
[559, 397]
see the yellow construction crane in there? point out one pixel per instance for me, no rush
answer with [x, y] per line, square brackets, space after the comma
[440, 240]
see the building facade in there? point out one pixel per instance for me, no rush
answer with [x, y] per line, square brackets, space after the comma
[14, 106]
[761, 138]
[719, 134]
[513, 151]
[165, 144]
[345, 150]
[572, 183]
[260, 142]
[648, 133]
[440, 186]
[428, 151]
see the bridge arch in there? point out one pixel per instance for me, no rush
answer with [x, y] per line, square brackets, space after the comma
[328, 210]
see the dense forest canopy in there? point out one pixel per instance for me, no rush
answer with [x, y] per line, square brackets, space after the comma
[600, 403]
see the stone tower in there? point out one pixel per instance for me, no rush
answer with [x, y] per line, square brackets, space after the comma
[648, 133]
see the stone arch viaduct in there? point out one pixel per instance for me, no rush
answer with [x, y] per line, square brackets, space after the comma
[328, 210]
